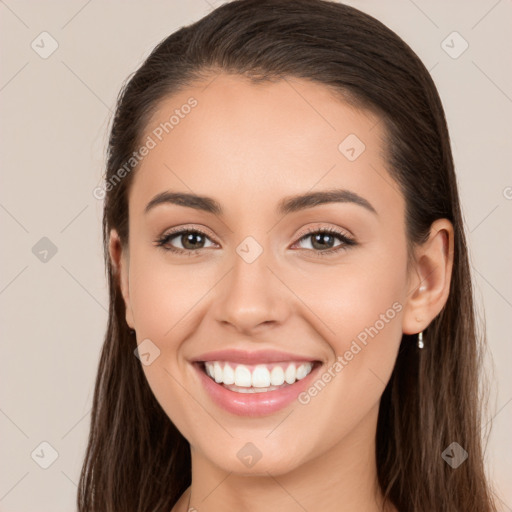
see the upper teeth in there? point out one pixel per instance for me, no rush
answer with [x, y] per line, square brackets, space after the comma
[259, 376]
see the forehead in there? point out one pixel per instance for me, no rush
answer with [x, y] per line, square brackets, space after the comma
[253, 143]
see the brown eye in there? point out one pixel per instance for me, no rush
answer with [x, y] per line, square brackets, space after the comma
[322, 241]
[191, 240]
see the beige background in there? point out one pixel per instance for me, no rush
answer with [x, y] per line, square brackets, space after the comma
[54, 119]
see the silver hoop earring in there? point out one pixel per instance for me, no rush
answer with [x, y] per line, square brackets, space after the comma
[420, 340]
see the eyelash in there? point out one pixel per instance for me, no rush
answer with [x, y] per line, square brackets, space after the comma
[347, 241]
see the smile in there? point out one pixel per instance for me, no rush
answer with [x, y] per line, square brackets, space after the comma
[260, 378]
[255, 390]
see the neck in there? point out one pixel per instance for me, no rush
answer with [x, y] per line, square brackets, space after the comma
[341, 479]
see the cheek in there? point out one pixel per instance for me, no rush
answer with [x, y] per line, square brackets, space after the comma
[162, 297]
[162, 294]
[364, 294]
[366, 303]
[363, 311]
[364, 317]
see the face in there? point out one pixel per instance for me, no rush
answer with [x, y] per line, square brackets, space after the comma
[318, 286]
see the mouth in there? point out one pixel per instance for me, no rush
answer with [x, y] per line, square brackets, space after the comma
[255, 389]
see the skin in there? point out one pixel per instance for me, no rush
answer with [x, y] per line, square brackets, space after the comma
[248, 146]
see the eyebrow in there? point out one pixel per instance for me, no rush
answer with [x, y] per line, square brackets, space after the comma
[287, 205]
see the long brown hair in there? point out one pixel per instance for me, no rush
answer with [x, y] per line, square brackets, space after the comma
[136, 459]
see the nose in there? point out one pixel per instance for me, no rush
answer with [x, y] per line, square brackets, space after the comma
[251, 297]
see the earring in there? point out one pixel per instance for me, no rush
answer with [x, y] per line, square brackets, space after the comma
[420, 340]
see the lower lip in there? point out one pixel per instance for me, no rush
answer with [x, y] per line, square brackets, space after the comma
[254, 404]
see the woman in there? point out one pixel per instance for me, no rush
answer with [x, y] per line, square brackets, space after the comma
[291, 319]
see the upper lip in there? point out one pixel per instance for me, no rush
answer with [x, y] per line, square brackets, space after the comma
[248, 357]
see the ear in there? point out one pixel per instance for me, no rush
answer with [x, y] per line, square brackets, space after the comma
[429, 280]
[119, 258]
